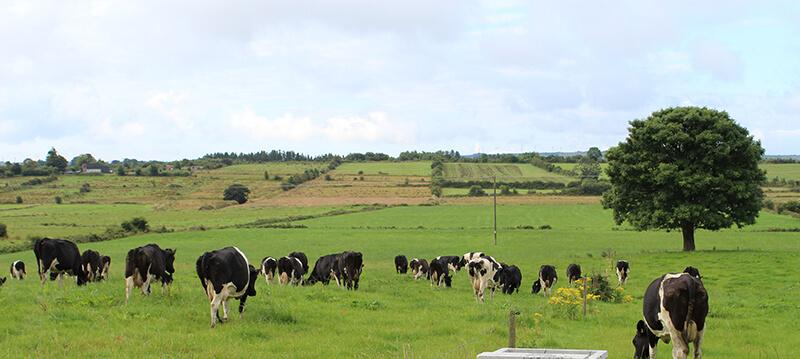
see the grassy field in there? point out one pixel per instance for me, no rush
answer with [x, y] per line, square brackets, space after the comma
[393, 316]
[786, 171]
[503, 172]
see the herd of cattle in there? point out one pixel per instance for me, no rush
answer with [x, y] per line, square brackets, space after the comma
[674, 305]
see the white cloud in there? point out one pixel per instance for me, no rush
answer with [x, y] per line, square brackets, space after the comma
[260, 128]
[714, 57]
[373, 129]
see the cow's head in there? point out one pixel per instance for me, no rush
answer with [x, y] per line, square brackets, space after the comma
[169, 258]
[693, 272]
[537, 286]
[251, 286]
[82, 277]
[641, 342]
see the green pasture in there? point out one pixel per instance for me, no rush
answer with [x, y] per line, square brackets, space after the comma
[506, 172]
[788, 171]
[420, 168]
[747, 274]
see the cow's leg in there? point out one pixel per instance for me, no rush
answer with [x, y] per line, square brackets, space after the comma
[146, 284]
[680, 348]
[653, 351]
[215, 301]
[226, 309]
[60, 280]
[697, 343]
[128, 287]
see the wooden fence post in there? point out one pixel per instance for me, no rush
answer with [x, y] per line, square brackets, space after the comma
[585, 285]
[512, 329]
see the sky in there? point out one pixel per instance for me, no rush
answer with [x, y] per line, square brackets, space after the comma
[168, 80]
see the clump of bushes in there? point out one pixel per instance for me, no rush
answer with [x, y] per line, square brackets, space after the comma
[137, 224]
[3, 230]
[793, 206]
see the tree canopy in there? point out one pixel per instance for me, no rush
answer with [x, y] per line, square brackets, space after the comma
[685, 168]
[55, 160]
[236, 192]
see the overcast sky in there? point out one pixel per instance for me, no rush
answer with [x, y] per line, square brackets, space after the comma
[167, 80]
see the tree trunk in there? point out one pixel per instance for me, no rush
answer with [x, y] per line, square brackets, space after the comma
[688, 236]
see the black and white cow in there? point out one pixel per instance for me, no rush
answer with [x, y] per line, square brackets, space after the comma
[290, 270]
[401, 264]
[59, 257]
[484, 273]
[510, 278]
[419, 268]
[547, 278]
[439, 270]
[468, 257]
[268, 267]
[18, 270]
[226, 274]
[622, 272]
[90, 260]
[324, 270]
[349, 269]
[105, 266]
[675, 308]
[303, 260]
[145, 264]
[694, 272]
[573, 273]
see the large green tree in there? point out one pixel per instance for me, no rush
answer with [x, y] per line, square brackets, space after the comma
[685, 168]
[236, 192]
[55, 160]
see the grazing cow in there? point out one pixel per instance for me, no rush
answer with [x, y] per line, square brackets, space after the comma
[349, 269]
[622, 272]
[226, 274]
[674, 307]
[547, 278]
[268, 267]
[105, 265]
[2, 280]
[573, 273]
[419, 267]
[468, 257]
[148, 263]
[18, 270]
[484, 274]
[90, 260]
[58, 257]
[510, 278]
[693, 272]
[303, 260]
[401, 264]
[290, 270]
[324, 270]
[439, 270]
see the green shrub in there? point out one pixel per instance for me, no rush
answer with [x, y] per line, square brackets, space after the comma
[768, 204]
[476, 191]
[19, 200]
[58, 200]
[3, 230]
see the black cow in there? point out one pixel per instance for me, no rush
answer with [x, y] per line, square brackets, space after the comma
[303, 260]
[547, 278]
[439, 270]
[226, 274]
[324, 270]
[401, 264]
[675, 308]
[510, 278]
[622, 272]
[419, 267]
[59, 257]
[694, 272]
[148, 263]
[90, 260]
[290, 270]
[2, 280]
[573, 273]
[349, 269]
[268, 267]
[18, 270]
[105, 266]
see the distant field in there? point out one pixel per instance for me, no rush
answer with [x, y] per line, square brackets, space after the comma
[504, 172]
[420, 169]
[787, 171]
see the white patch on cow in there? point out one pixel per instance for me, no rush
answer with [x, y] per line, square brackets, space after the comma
[670, 333]
[246, 268]
[482, 281]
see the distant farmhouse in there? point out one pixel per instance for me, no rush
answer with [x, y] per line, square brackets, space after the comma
[94, 168]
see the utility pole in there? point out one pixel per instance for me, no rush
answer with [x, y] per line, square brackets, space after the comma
[495, 208]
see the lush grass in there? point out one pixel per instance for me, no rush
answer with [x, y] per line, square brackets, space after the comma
[747, 273]
[789, 171]
[421, 168]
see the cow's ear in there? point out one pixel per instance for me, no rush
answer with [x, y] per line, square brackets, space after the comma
[640, 327]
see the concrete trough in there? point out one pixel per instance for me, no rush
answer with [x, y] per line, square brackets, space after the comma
[525, 353]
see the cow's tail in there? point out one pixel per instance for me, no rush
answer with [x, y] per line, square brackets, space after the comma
[689, 332]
